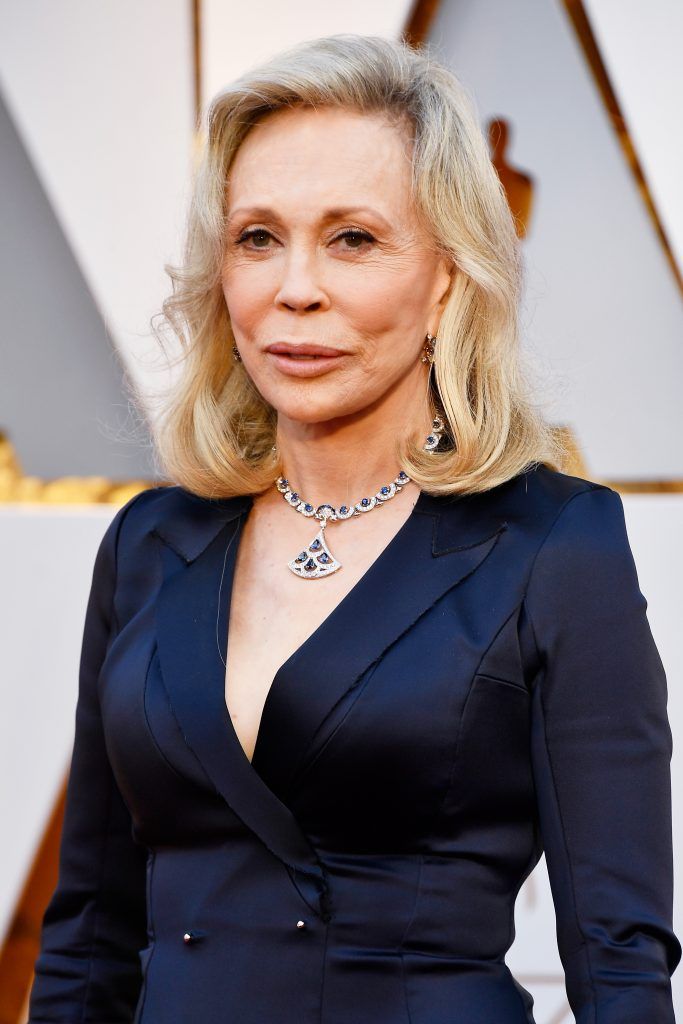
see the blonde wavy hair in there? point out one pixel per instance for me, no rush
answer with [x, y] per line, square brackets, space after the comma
[215, 432]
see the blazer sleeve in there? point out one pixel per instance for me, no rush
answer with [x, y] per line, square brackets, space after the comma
[88, 966]
[601, 751]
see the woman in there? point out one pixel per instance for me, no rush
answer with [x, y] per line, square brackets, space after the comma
[328, 818]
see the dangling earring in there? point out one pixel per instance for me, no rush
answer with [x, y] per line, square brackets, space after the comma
[236, 354]
[428, 349]
[438, 427]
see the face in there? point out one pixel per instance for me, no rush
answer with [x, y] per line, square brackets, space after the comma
[324, 249]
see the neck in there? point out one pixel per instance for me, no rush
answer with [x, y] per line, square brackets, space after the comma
[343, 460]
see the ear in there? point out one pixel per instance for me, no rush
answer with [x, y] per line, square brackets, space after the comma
[444, 278]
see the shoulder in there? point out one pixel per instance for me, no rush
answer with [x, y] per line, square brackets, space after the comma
[574, 504]
[529, 504]
[152, 504]
[582, 537]
[543, 501]
[543, 489]
[138, 513]
[582, 590]
[548, 517]
[185, 521]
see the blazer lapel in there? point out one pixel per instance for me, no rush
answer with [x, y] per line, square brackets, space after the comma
[443, 541]
[188, 613]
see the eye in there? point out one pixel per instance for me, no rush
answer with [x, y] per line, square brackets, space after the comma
[254, 234]
[355, 235]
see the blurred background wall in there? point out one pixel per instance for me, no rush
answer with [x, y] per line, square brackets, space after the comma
[98, 126]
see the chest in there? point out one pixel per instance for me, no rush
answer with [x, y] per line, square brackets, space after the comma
[273, 614]
[397, 697]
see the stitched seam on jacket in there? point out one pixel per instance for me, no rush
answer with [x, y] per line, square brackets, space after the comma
[142, 998]
[416, 902]
[453, 958]
[152, 737]
[357, 688]
[477, 672]
[405, 987]
[503, 682]
[551, 771]
[570, 869]
[452, 774]
[324, 974]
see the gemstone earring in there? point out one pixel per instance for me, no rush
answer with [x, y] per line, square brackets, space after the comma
[428, 349]
[236, 354]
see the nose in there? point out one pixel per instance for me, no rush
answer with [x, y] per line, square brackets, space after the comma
[299, 287]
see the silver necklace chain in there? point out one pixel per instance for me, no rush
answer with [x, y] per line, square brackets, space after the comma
[317, 561]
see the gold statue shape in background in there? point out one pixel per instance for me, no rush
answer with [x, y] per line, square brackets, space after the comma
[518, 186]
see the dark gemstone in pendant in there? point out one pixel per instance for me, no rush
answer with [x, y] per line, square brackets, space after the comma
[365, 501]
[310, 564]
[324, 557]
[385, 490]
[302, 557]
[430, 439]
[293, 497]
[402, 475]
[309, 508]
[315, 545]
[343, 509]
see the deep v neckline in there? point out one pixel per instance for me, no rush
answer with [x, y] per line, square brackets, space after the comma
[312, 640]
[439, 545]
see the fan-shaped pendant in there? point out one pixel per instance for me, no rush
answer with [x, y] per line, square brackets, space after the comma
[316, 561]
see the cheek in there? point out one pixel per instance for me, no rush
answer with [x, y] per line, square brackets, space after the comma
[246, 296]
[383, 300]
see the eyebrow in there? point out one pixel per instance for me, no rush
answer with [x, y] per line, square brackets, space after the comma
[332, 213]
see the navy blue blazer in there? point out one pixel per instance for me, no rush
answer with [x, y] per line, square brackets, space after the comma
[488, 690]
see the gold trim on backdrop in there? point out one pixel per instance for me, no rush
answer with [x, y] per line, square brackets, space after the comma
[584, 32]
[419, 21]
[197, 61]
[646, 486]
[16, 487]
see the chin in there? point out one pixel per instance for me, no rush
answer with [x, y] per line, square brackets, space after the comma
[310, 413]
[311, 402]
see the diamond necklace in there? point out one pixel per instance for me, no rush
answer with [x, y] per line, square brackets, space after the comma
[317, 561]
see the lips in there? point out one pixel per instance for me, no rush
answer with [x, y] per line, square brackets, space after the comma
[304, 360]
[303, 350]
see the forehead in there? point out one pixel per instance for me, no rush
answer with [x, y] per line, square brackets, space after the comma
[323, 155]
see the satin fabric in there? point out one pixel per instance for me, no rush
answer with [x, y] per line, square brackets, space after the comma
[490, 689]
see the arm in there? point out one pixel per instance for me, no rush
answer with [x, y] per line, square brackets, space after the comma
[601, 750]
[96, 921]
